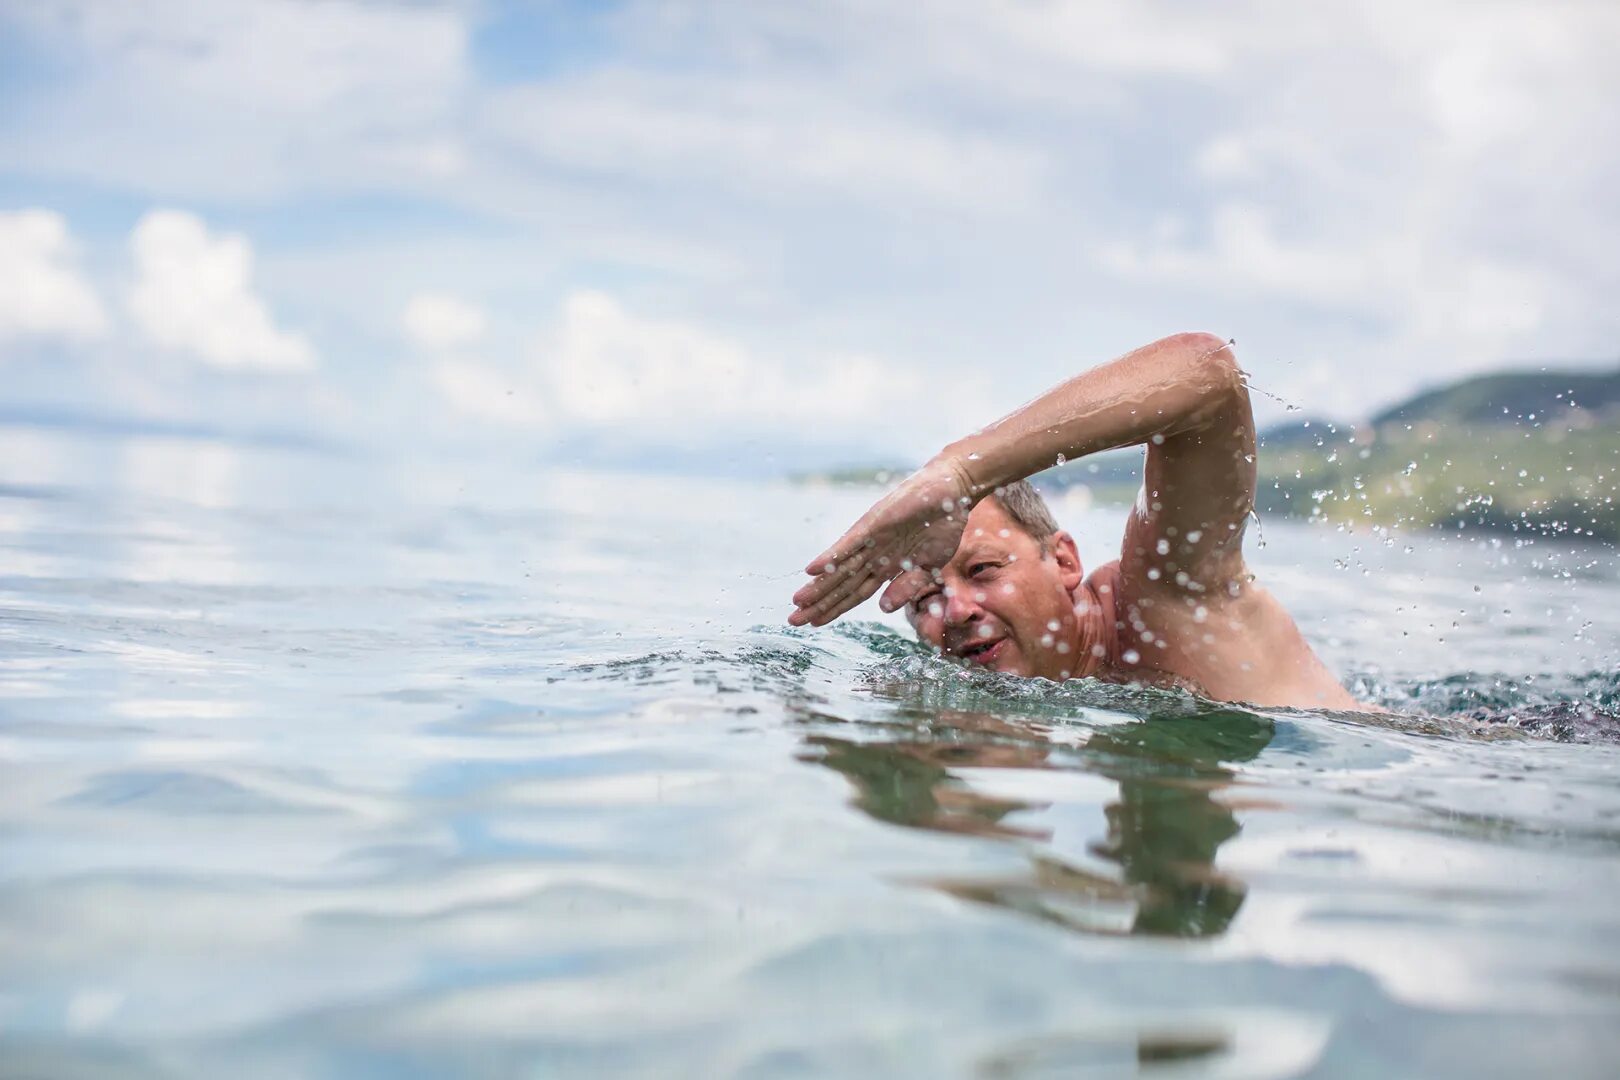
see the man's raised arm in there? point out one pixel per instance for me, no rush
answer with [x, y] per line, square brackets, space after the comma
[1183, 396]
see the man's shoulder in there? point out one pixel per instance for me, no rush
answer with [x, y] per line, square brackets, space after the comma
[1105, 576]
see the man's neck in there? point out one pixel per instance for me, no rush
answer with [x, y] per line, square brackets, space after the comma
[1096, 638]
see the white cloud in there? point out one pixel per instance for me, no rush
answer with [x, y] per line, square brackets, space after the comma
[601, 368]
[42, 293]
[606, 367]
[438, 321]
[479, 392]
[195, 98]
[1382, 187]
[764, 139]
[1243, 252]
[1226, 158]
[193, 293]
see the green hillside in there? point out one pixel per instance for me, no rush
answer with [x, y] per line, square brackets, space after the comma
[1525, 479]
[1532, 453]
[1510, 396]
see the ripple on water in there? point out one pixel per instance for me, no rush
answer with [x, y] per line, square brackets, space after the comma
[349, 784]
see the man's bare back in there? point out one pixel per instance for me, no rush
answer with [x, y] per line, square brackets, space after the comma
[984, 574]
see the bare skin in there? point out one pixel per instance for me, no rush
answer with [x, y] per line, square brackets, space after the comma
[1179, 606]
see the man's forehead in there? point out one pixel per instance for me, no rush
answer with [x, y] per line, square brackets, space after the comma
[989, 522]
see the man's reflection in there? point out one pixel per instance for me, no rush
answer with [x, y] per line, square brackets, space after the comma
[1163, 833]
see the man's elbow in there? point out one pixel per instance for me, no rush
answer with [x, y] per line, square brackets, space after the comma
[1212, 360]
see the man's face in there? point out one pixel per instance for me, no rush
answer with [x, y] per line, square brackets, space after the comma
[1001, 603]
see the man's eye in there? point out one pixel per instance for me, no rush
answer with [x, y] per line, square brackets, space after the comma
[922, 603]
[978, 568]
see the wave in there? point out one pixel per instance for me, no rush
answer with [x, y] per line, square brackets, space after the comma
[894, 669]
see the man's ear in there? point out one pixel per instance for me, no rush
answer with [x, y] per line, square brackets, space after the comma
[1067, 557]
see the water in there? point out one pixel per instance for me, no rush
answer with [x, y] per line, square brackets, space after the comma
[320, 765]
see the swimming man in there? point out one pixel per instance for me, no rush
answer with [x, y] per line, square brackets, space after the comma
[972, 554]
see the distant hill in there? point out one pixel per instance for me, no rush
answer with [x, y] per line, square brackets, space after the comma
[1314, 431]
[1508, 397]
[1532, 453]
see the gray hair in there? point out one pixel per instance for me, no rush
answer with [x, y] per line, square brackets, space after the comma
[1024, 505]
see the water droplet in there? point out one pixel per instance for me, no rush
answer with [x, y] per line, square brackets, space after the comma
[1130, 656]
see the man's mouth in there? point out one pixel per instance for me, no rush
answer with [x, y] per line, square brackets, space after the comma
[984, 652]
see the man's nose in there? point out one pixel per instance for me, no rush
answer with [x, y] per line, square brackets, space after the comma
[961, 606]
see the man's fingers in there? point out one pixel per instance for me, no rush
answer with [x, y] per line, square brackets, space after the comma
[851, 600]
[832, 559]
[821, 594]
[810, 594]
[851, 544]
[831, 600]
[905, 588]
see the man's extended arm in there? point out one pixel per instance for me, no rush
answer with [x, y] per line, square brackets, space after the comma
[1183, 396]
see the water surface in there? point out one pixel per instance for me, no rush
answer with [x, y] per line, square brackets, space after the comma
[317, 764]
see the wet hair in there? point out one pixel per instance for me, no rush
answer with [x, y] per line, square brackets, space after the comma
[1024, 505]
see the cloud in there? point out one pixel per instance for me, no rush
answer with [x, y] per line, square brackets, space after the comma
[1244, 253]
[766, 139]
[604, 366]
[42, 293]
[256, 97]
[438, 321]
[193, 293]
[1428, 297]
[600, 368]
[1404, 192]
[487, 394]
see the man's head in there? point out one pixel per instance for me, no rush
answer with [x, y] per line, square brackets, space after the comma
[1006, 598]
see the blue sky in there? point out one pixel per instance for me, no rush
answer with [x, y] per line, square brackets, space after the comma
[821, 230]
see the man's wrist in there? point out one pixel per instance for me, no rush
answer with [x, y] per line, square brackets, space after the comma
[960, 465]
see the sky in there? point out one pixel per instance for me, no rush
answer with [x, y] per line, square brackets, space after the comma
[741, 234]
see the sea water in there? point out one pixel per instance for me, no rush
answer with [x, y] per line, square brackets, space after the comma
[316, 762]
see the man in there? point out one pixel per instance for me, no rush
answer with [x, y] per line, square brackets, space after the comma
[985, 575]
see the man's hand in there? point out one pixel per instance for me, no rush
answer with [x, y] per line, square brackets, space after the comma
[905, 537]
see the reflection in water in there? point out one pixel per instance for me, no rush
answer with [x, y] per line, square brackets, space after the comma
[1163, 828]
